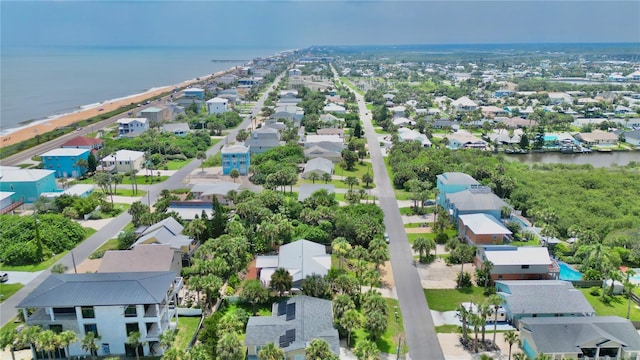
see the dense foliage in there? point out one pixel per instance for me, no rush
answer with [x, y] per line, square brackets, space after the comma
[19, 240]
[165, 144]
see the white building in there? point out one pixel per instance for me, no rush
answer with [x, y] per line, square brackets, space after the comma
[122, 161]
[111, 305]
[132, 126]
[217, 105]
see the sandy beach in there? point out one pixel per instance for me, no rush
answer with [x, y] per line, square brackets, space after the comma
[42, 127]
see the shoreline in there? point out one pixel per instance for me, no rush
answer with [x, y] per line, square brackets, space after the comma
[30, 128]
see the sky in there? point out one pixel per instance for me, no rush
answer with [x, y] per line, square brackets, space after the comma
[296, 24]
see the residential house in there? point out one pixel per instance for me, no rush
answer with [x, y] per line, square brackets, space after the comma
[289, 93]
[300, 258]
[7, 204]
[312, 140]
[503, 93]
[493, 111]
[517, 263]
[541, 298]
[632, 137]
[249, 81]
[263, 139]
[320, 152]
[334, 108]
[398, 111]
[598, 137]
[167, 232]
[289, 112]
[593, 337]
[464, 104]
[141, 258]
[81, 142]
[193, 93]
[475, 200]
[295, 72]
[405, 134]
[306, 190]
[219, 190]
[388, 97]
[156, 116]
[111, 305]
[478, 229]
[330, 131]
[65, 161]
[557, 98]
[122, 161]
[26, 184]
[293, 324]
[465, 140]
[517, 122]
[318, 166]
[217, 105]
[190, 209]
[402, 121]
[622, 110]
[132, 126]
[328, 120]
[452, 182]
[179, 129]
[237, 157]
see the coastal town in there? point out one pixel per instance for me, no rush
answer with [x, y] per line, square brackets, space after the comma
[336, 203]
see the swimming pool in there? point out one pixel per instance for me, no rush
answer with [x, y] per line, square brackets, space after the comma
[635, 278]
[568, 273]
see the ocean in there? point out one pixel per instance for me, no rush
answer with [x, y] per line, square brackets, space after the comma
[36, 83]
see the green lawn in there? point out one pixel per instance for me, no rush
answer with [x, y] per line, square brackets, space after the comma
[187, 326]
[348, 82]
[380, 130]
[341, 197]
[11, 325]
[448, 329]
[339, 184]
[369, 106]
[34, 267]
[123, 191]
[388, 342]
[177, 164]
[109, 245]
[449, 299]
[358, 170]
[414, 225]
[6, 290]
[617, 306]
[89, 231]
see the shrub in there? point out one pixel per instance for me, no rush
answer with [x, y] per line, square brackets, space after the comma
[594, 291]
[463, 280]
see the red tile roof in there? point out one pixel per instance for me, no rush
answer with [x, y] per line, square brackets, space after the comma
[83, 141]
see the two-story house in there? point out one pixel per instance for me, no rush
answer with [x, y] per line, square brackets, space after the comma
[262, 140]
[66, 162]
[217, 105]
[26, 184]
[517, 262]
[132, 126]
[111, 305]
[235, 157]
[453, 182]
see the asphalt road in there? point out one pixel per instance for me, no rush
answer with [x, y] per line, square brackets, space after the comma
[88, 246]
[418, 325]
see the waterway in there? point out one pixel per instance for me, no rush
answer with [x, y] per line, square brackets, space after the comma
[596, 159]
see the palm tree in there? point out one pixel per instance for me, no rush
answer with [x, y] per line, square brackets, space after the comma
[166, 338]
[463, 313]
[67, 338]
[202, 156]
[83, 165]
[254, 293]
[341, 247]
[351, 181]
[234, 174]
[326, 177]
[135, 340]
[8, 339]
[350, 321]
[520, 356]
[423, 246]
[229, 347]
[195, 228]
[542, 356]
[476, 321]
[270, 352]
[367, 350]
[485, 310]
[511, 337]
[318, 349]
[281, 281]
[313, 177]
[495, 301]
[47, 340]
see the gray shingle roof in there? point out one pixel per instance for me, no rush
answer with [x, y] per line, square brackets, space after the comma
[544, 297]
[318, 164]
[313, 320]
[470, 200]
[568, 334]
[457, 178]
[100, 289]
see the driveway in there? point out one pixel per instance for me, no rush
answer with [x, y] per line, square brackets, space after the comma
[21, 277]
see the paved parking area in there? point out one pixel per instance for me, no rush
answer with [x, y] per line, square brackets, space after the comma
[22, 277]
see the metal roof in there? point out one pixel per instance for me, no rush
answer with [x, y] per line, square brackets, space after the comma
[483, 224]
[543, 297]
[100, 289]
[457, 178]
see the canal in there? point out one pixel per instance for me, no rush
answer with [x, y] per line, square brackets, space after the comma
[596, 159]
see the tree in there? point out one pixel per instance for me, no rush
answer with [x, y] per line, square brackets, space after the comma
[315, 285]
[92, 163]
[202, 156]
[341, 248]
[242, 135]
[270, 352]
[195, 228]
[135, 340]
[351, 181]
[254, 293]
[229, 347]
[511, 337]
[326, 177]
[66, 338]
[423, 246]
[367, 350]
[281, 281]
[375, 323]
[367, 179]
[378, 251]
[137, 211]
[349, 159]
[357, 130]
[463, 313]
[495, 301]
[350, 321]
[313, 177]
[117, 179]
[82, 165]
[318, 349]
[628, 289]
[234, 174]
[103, 180]
[341, 304]
[8, 340]
[47, 341]
[520, 356]
[126, 239]
[476, 321]
[484, 310]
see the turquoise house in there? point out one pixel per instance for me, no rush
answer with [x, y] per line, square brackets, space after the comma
[64, 161]
[27, 184]
[452, 182]
[235, 157]
[193, 93]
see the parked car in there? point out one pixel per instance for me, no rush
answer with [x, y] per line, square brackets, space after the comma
[386, 237]
[429, 202]
[4, 277]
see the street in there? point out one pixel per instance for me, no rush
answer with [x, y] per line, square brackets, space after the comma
[89, 245]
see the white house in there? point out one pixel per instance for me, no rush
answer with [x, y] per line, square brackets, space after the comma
[122, 161]
[334, 108]
[301, 258]
[111, 305]
[405, 134]
[318, 166]
[217, 105]
[132, 126]
[464, 104]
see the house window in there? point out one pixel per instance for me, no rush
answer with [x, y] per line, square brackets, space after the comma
[131, 311]
[524, 266]
[91, 328]
[88, 312]
[132, 327]
[56, 328]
